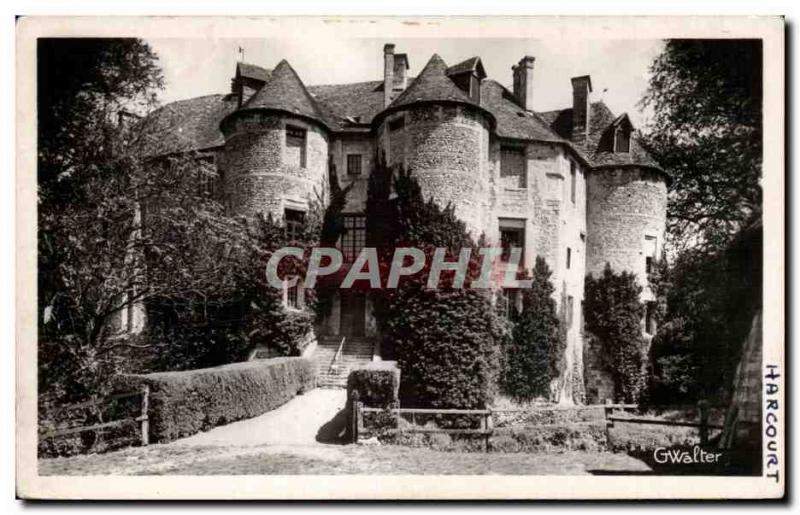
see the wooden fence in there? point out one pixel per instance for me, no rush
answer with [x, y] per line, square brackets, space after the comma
[141, 419]
[485, 417]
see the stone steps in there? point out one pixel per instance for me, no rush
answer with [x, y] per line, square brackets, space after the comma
[356, 353]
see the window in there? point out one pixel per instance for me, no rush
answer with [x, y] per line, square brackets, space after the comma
[650, 318]
[353, 164]
[511, 237]
[206, 175]
[581, 322]
[572, 180]
[622, 140]
[295, 223]
[512, 167]
[296, 146]
[569, 258]
[570, 302]
[355, 238]
[397, 124]
[292, 296]
[508, 300]
[475, 88]
[650, 253]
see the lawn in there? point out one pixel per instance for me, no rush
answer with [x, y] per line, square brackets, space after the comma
[335, 459]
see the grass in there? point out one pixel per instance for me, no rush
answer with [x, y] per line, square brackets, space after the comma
[262, 460]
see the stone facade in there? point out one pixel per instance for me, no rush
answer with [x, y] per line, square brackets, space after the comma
[262, 173]
[547, 179]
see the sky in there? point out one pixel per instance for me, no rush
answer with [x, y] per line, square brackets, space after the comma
[619, 68]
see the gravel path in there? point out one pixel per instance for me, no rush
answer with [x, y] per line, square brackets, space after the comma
[298, 422]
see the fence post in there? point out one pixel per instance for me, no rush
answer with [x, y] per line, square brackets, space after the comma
[702, 406]
[607, 412]
[144, 415]
[354, 416]
[489, 427]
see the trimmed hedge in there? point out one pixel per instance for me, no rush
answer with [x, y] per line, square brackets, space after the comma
[377, 384]
[185, 403]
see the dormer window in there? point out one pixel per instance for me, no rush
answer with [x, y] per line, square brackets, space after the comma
[622, 140]
[467, 75]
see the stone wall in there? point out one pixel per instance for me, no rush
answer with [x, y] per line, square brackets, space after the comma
[446, 148]
[341, 147]
[258, 176]
[624, 206]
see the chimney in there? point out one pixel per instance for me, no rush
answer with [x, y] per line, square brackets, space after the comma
[523, 82]
[400, 75]
[581, 88]
[388, 73]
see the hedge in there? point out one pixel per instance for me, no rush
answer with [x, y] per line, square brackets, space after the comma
[185, 403]
[377, 384]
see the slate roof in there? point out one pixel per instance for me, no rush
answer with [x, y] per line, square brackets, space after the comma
[360, 101]
[599, 145]
[432, 85]
[194, 124]
[185, 125]
[512, 120]
[253, 71]
[471, 64]
[284, 91]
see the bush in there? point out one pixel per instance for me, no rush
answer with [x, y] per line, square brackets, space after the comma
[377, 385]
[533, 357]
[444, 340]
[613, 316]
[185, 403]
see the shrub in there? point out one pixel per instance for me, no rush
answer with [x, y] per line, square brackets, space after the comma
[444, 340]
[613, 316]
[377, 384]
[184, 403]
[532, 359]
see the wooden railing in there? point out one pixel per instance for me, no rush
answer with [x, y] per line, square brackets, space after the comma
[338, 355]
[486, 428]
[485, 418]
[141, 419]
[702, 423]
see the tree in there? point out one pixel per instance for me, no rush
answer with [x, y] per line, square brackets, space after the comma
[445, 340]
[85, 221]
[706, 97]
[613, 315]
[710, 304]
[534, 354]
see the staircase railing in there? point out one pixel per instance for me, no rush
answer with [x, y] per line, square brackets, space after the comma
[338, 355]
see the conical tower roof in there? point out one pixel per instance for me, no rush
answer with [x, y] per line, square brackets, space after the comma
[433, 86]
[284, 91]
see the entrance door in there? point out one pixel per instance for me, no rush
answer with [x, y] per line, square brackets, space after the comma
[352, 314]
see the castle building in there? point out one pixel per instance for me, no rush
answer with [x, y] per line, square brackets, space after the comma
[571, 185]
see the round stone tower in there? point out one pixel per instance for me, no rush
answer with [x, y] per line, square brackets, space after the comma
[441, 134]
[625, 220]
[276, 149]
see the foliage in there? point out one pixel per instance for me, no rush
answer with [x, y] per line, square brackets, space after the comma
[445, 340]
[706, 97]
[86, 213]
[377, 386]
[535, 351]
[613, 315]
[710, 305]
[118, 232]
[185, 403]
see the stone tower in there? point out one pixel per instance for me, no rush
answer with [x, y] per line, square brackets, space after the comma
[276, 148]
[438, 131]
